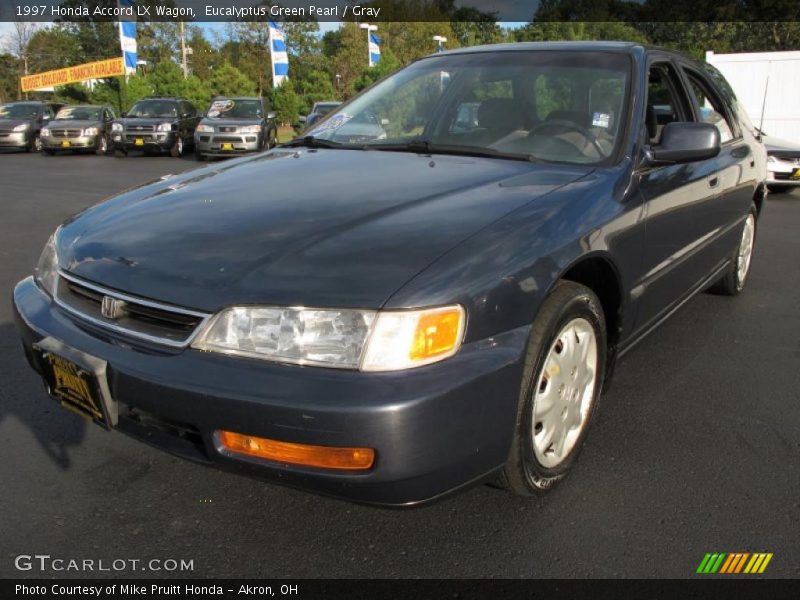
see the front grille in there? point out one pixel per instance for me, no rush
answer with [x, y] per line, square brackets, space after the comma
[137, 317]
[789, 155]
[146, 136]
[229, 129]
[227, 139]
[135, 128]
[787, 176]
[66, 133]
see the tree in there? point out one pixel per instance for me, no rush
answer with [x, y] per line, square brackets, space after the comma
[121, 92]
[9, 77]
[286, 103]
[20, 40]
[227, 80]
[387, 65]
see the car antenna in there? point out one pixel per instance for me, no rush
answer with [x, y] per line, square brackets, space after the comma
[764, 102]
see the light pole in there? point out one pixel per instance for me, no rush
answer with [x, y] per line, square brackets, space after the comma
[370, 29]
[440, 40]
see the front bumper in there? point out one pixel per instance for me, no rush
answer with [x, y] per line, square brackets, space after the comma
[434, 429]
[226, 144]
[127, 140]
[77, 143]
[783, 172]
[18, 139]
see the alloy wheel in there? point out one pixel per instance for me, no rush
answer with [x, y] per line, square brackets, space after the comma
[745, 250]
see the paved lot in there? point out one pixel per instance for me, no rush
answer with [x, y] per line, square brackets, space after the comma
[696, 447]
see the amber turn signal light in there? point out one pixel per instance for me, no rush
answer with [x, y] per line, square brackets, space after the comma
[324, 457]
[438, 332]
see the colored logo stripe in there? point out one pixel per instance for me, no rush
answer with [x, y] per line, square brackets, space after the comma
[734, 563]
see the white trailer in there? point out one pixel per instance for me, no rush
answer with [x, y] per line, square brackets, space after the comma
[768, 82]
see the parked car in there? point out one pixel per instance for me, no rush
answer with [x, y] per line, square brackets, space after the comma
[430, 310]
[77, 128]
[783, 164]
[156, 124]
[235, 126]
[319, 110]
[21, 122]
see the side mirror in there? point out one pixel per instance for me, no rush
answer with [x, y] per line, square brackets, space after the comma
[686, 142]
[302, 119]
[272, 115]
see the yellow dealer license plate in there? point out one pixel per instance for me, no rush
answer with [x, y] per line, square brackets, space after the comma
[138, 142]
[227, 146]
[796, 174]
[77, 383]
[65, 144]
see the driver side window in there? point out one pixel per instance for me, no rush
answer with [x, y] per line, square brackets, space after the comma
[666, 100]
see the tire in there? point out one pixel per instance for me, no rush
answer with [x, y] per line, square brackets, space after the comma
[735, 277]
[570, 319]
[177, 148]
[101, 148]
[118, 153]
[271, 141]
[35, 144]
[199, 156]
[48, 152]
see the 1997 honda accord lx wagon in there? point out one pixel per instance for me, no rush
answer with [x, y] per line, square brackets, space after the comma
[389, 316]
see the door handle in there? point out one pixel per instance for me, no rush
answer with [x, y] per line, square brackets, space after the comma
[713, 182]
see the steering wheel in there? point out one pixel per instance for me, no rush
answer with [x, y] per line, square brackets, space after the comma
[565, 126]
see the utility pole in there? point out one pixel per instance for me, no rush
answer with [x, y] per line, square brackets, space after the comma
[184, 65]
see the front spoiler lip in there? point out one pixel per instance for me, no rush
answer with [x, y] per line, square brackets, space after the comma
[423, 453]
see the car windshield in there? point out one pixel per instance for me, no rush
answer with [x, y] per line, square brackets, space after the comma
[19, 111]
[79, 113]
[563, 106]
[235, 109]
[324, 109]
[154, 108]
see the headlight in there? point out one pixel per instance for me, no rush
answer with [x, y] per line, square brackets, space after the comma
[116, 127]
[22, 127]
[250, 129]
[350, 339]
[47, 269]
[44, 133]
[205, 128]
[90, 131]
[164, 127]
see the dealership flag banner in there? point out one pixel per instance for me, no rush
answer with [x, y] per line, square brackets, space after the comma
[127, 36]
[280, 59]
[374, 49]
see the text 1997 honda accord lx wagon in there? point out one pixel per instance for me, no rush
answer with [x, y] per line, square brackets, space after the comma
[427, 290]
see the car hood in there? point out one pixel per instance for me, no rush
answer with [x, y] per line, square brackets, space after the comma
[338, 228]
[11, 123]
[773, 144]
[133, 121]
[231, 122]
[72, 124]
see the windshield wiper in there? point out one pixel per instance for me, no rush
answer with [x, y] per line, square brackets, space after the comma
[309, 141]
[422, 146]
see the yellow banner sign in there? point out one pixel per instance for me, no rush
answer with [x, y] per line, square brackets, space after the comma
[93, 70]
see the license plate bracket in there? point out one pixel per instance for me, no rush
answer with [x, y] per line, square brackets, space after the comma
[77, 381]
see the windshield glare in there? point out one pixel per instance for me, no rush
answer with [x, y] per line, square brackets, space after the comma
[154, 109]
[563, 106]
[79, 113]
[19, 111]
[235, 109]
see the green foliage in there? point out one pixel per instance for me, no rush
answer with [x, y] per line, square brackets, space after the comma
[577, 31]
[387, 65]
[9, 77]
[286, 103]
[121, 94]
[227, 80]
[317, 86]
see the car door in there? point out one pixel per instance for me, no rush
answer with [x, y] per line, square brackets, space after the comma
[680, 204]
[736, 162]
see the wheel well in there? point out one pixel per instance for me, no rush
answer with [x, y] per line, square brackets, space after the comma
[599, 276]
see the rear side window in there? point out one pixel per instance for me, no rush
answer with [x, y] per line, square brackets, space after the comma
[710, 106]
[666, 100]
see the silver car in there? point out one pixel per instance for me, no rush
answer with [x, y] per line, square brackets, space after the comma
[78, 128]
[234, 126]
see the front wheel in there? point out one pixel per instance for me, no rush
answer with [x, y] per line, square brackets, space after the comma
[177, 148]
[735, 278]
[562, 379]
[35, 145]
